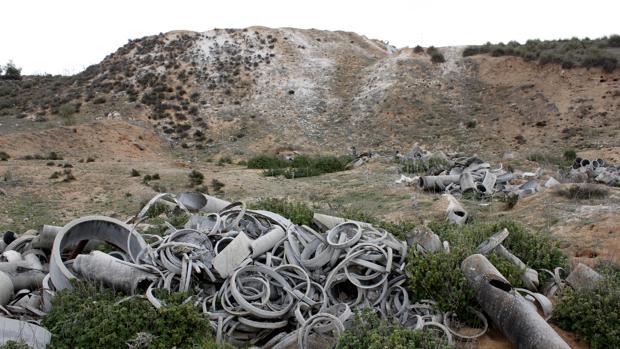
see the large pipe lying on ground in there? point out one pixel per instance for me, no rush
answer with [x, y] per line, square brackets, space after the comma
[509, 311]
[87, 228]
[438, 183]
[112, 272]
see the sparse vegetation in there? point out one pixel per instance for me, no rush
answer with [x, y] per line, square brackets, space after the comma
[584, 192]
[224, 160]
[585, 53]
[298, 212]
[431, 165]
[369, 331]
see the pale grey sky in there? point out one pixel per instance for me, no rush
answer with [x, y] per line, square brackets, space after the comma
[65, 36]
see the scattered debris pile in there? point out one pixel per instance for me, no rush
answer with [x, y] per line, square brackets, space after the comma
[595, 170]
[261, 279]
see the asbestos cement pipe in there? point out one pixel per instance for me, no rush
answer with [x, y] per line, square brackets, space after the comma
[6, 288]
[488, 183]
[433, 183]
[467, 182]
[509, 311]
[112, 272]
[267, 241]
[86, 228]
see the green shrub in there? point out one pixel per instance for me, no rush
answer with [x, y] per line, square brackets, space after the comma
[430, 165]
[592, 313]
[217, 185]
[300, 166]
[95, 317]
[266, 162]
[298, 212]
[614, 41]
[549, 159]
[135, 173]
[437, 57]
[4, 156]
[368, 331]
[14, 345]
[418, 49]
[584, 192]
[196, 178]
[570, 155]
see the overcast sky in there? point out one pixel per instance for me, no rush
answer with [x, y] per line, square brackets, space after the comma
[64, 36]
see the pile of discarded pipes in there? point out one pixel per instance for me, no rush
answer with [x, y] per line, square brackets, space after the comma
[595, 170]
[461, 174]
[261, 279]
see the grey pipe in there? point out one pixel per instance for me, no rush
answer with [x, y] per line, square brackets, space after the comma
[467, 182]
[6, 288]
[267, 241]
[100, 228]
[488, 183]
[111, 271]
[46, 237]
[509, 311]
[583, 277]
[529, 276]
[437, 182]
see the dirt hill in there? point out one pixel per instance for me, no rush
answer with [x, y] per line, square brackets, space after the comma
[266, 90]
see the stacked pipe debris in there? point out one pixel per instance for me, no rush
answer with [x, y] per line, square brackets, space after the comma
[261, 279]
[596, 170]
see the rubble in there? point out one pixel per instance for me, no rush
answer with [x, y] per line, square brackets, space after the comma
[262, 280]
[595, 170]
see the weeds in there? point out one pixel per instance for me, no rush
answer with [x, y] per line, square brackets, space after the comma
[584, 192]
[298, 212]
[431, 165]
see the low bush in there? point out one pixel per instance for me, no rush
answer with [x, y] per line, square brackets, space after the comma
[584, 192]
[195, 178]
[430, 165]
[592, 313]
[96, 317]
[298, 212]
[368, 331]
[224, 160]
[266, 162]
[135, 173]
[217, 185]
[437, 57]
[4, 156]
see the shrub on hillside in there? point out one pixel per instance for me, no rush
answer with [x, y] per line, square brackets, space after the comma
[437, 57]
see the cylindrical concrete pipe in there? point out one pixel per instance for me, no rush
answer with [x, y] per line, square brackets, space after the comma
[6, 288]
[267, 241]
[99, 228]
[111, 271]
[509, 311]
[488, 183]
[467, 182]
[46, 237]
[437, 182]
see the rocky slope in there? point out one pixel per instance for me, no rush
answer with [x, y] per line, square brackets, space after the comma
[267, 90]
